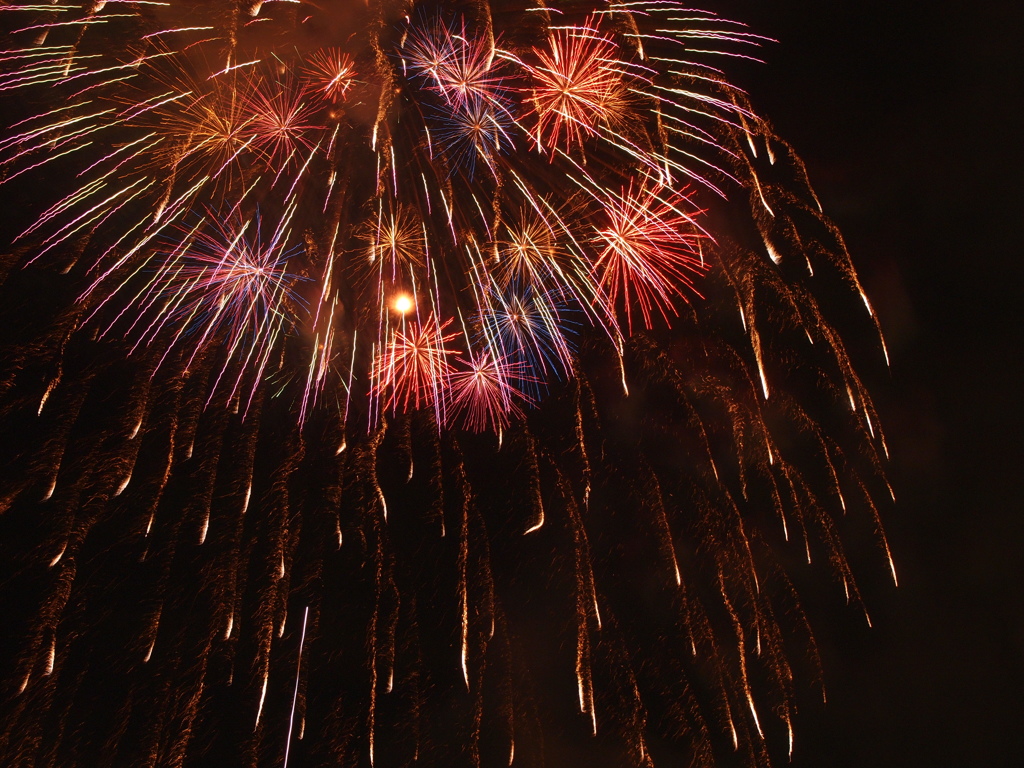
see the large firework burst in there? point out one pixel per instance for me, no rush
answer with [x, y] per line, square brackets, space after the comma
[379, 376]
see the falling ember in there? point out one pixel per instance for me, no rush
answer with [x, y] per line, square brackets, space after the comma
[537, 525]
[152, 642]
[123, 485]
[295, 693]
[263, 698]
[59, 555]
[51, 657]
[46, 396]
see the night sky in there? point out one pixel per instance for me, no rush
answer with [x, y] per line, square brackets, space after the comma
[908, 116]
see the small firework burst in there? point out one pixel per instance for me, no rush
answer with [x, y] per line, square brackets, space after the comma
[533, 330]
[482, 393]
[394, 240]
[206, 129]
[530, 252]
[279, 119]
[330, 73]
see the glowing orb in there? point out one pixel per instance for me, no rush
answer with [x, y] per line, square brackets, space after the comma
[403, 303]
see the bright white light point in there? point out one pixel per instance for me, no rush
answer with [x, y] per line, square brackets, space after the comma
[403, 303]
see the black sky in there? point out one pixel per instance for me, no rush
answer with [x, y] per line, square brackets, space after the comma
[908, 115]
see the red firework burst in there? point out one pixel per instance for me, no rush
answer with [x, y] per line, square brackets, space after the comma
[413, 369]
[330, 73]
[650, 250]
[280, 120]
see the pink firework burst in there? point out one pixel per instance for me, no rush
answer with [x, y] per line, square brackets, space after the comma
[482, 394]
[460, 64]
[223, 286]
[412, 370]
[649, 250]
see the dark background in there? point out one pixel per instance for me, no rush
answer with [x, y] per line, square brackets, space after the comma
[908, 116]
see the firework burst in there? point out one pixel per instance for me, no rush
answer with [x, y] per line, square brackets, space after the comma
[278, 121]
[222, 284]
[458, 63]
[483, 394]
[649, 250]
[578, 86]
[330, 73]
[413, 369]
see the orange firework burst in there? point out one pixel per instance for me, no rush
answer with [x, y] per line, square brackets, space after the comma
[207, 128]
[577, 86]
[530, 251]
[394, 240]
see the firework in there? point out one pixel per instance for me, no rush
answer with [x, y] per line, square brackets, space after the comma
[578, 86]
[330, 73]
[484, 392]
[649, 250]
[474, 130]
[454, 60]
[222, 281]
[351, 342]
[278, 120]
[413, 369]
[533, 328]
